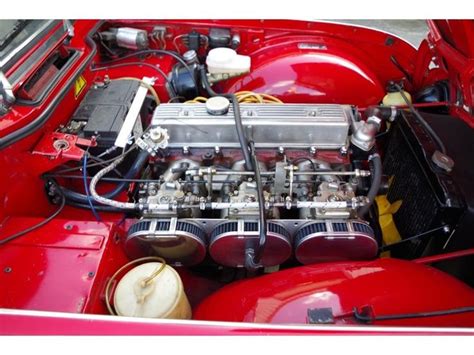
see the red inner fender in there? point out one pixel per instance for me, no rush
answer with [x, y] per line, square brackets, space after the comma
[389, 286]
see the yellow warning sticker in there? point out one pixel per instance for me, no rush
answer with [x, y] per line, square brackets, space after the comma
[79, 85]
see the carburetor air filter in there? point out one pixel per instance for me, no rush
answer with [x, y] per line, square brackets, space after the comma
[321, 241]
[178, 242]
[230, 240]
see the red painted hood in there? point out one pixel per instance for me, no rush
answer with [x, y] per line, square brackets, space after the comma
[453, 43]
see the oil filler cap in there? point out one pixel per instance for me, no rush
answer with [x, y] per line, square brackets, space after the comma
[217, 105]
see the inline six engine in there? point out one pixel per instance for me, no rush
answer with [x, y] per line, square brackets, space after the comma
[247, 149]
[205, 199]
[199, 198]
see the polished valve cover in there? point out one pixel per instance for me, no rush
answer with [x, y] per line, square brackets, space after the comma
[270, 125]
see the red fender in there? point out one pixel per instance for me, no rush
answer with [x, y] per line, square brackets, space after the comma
[389, 286]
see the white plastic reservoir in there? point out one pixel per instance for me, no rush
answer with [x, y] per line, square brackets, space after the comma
[226, 60]
[162, 296]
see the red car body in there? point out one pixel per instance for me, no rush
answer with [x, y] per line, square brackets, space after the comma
[52, 279]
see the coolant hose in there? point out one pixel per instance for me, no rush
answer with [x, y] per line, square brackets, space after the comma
[137, 165]
[386, 113]
[244, 144]
[376, 174]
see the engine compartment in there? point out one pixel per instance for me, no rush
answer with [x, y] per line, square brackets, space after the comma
[279, 149]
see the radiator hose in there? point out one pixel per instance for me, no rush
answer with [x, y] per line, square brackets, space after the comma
[376, 174]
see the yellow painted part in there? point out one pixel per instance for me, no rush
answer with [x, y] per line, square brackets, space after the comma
[79, 86]
[390, 232]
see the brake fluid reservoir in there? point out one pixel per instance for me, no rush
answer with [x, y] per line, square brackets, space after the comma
[394, 98]
[226, 60]
[147, 292]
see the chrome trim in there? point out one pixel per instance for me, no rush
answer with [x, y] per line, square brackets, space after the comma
[151, 233]
[336, 235]
[248, 234]
[149, 236]
[351, 232]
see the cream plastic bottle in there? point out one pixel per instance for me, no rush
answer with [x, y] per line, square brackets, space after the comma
[394, 98]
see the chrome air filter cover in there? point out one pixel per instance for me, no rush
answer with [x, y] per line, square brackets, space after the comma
[178, 242]
[230, 240]
[322, 241]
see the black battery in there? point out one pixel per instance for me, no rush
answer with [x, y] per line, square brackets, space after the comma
[103, 111]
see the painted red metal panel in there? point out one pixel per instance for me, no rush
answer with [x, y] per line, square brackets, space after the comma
[304, 69]
[59, 267]
[56, 268]
[390, 286]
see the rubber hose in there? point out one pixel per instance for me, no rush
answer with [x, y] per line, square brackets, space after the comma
[98, 208]
[376, 174]
[244, 144]
[386, 113]
[131, 173]
[261, 210]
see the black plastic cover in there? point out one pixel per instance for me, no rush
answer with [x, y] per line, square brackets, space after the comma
[320, 316]
[104, 109]
[219, 37]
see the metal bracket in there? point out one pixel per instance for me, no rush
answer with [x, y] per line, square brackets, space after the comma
[60, 145]
[133, 113]
[320, 316]
[291, 169]
[280, 178]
